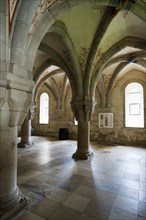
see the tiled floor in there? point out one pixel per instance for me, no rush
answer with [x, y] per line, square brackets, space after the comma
[111, 185]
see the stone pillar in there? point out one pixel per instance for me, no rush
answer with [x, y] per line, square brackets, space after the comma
[26, 129]
[10, 196]
[25, 134]
[14, 105]
[83, 110]
[83, 141]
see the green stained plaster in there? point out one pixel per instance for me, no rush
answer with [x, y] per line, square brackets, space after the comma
[115, 32]
[122, 25]
[81, 24]
[125, 25]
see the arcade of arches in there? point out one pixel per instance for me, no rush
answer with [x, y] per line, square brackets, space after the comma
[83, 54]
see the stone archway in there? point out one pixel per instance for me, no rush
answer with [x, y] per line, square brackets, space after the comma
[18, 58]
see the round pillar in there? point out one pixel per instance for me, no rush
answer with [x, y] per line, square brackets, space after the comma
[14, 106]
[83, 141]
[25, 133]
[26, 128]
[83, 108]
[10, 197]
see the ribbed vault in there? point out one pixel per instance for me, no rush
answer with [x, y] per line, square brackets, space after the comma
[92, 42]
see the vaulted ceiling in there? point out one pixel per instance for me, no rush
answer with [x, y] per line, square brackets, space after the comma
[91, 46]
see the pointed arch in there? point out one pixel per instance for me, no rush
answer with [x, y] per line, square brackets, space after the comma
[127, 41]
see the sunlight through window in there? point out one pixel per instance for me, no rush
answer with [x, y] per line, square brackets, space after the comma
[75, 122]
[44, 109]
[134, 106]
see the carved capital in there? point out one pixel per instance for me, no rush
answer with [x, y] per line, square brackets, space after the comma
[15, 97]
[19, 102]
[3, 97]
[83, 108]
[31, 112]
[14, 105]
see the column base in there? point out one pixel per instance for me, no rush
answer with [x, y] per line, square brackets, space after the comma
[12, 205]
[82, 155]
[21, 145]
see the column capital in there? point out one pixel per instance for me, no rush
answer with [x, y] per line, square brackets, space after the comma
[83, 107]
[15, 99]
[31, 112]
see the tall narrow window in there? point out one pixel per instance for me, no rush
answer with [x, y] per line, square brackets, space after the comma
[44, 109]
[134, 105]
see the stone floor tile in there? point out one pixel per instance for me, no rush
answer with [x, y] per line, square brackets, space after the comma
[133, 169]
[142, 196]
[40, 160]
[85, 191]
[58, 195]
[64, 213]
[68, 185]
[27, 176]
[128, 192]
[31, 216]
[41, 178]
[109, 178]
[46, 208]
[77, 202]
[83, 172]
[118, 214]
[76, 178]
[54, 180]
[140, 218]
[25, 168]
[90, 182]
[116, 173]
[142, 186]
[131, 176]
[97, 210]
[107, 186]
[143, 178]
[85, 217]
[33, 199]
[110, 185]
[130, 183]
[42, 189]
[142, 209]
[126, 204]
[105, 198]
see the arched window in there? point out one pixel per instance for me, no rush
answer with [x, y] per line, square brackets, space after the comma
[134, 105]
[44, 109]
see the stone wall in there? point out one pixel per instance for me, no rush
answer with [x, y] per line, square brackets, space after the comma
[63, 118]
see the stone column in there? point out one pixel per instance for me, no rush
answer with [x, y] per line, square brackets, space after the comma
[10, 196]
[83, 110]
[83, 141]
[26, 129]
[14, 105]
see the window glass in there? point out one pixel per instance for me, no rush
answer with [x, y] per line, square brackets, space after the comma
[134, 105]
[44, 109]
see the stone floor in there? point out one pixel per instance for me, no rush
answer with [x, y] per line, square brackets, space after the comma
[111, 185]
